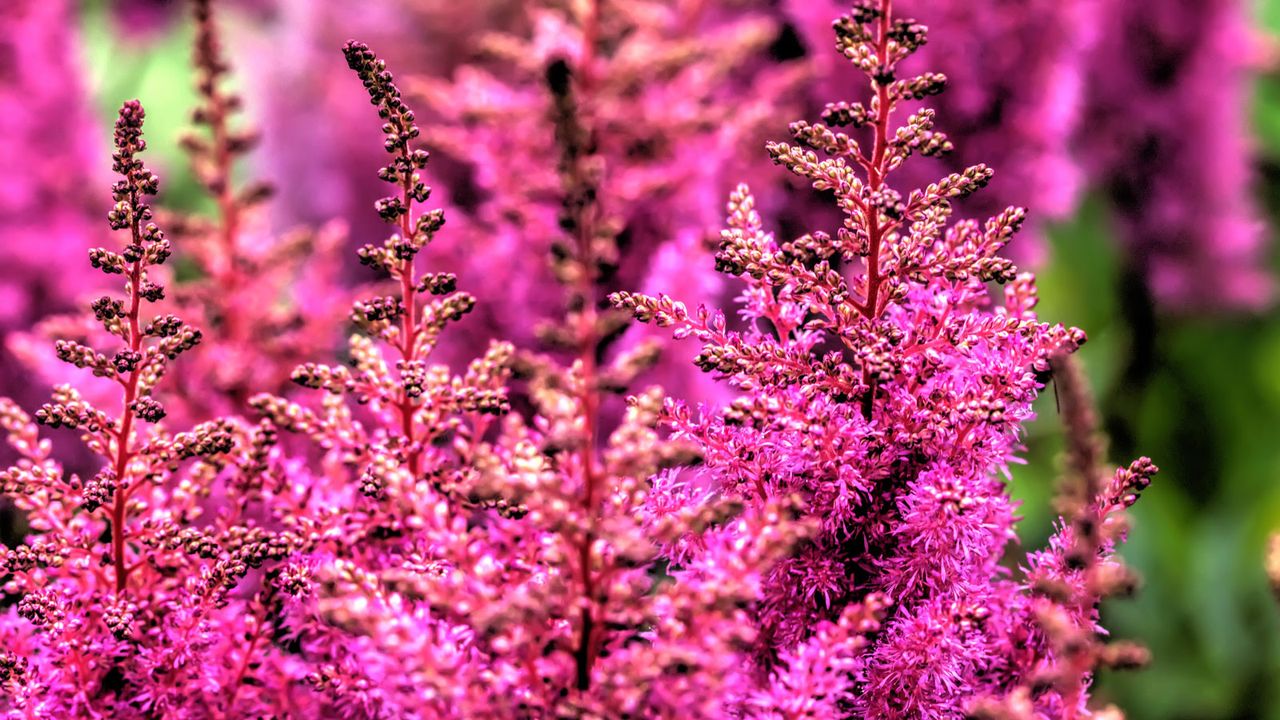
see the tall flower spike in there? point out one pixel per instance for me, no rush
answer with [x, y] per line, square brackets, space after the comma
[213, 157]
[396, 469]
[1080, 567]
[599, 504]
[579, 263]
[146, 247]
[411, 329]
[887, 387]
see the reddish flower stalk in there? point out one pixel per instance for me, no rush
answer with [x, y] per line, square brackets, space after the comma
[876, 173]
[130, 213]
[409, 331]
[214, 161]
[1084, 453]
[876, 168]
[403, 171]
[253, 341]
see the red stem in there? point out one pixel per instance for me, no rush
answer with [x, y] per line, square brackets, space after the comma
[409, 328]
[123, 454]
[875, 181]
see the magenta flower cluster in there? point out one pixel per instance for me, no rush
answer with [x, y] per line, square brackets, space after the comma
[263, 524]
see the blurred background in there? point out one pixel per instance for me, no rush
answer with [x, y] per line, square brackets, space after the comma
[1143, 136]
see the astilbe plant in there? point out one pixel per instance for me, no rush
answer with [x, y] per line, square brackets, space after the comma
[1078, 567]
[125, 591]
[887, 387]
[454, 567]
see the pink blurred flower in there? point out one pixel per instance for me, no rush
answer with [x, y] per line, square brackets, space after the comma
[1168, 141]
